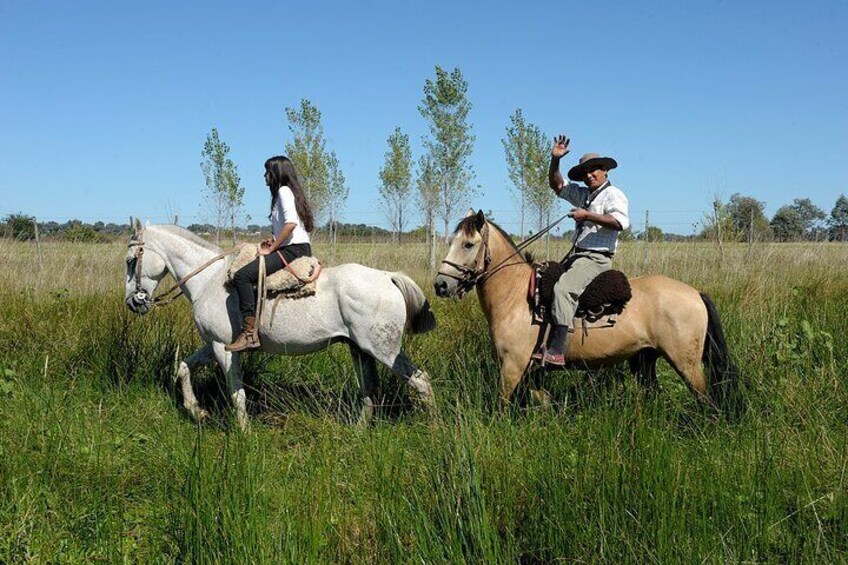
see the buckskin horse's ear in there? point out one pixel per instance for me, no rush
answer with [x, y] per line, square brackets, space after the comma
[469, 213]
[480, 220]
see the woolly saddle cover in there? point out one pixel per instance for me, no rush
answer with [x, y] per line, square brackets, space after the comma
[283, 282]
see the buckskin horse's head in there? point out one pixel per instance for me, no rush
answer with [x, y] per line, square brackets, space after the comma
[467, 257]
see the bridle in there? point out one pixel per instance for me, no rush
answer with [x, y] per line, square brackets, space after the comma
[140, 295]
[470, 277]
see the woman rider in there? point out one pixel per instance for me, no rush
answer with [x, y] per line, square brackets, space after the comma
[291, 220]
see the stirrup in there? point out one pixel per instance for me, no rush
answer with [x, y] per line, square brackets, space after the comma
[554, 359]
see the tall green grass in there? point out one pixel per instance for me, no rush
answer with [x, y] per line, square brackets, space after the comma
[99, 463]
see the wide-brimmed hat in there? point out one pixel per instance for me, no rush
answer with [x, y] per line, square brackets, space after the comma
[588, 162]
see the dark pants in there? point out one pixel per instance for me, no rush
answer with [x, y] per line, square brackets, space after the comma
[246, 277]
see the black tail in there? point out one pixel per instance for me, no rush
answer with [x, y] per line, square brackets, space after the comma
[723, 373]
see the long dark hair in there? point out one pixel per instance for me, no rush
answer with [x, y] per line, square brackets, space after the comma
[282, 173]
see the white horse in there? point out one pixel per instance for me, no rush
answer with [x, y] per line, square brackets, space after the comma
[366, 308]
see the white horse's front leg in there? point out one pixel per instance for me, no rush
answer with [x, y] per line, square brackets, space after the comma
[202, 356]
[417, 379]
[231, 366]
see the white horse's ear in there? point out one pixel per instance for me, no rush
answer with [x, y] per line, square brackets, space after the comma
[147, 224]
[470, 213]
[137, 226]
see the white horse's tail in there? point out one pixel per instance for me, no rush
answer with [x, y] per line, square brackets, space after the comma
[419, 317]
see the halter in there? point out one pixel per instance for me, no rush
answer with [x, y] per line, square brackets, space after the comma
[472, 277]
[164, 298]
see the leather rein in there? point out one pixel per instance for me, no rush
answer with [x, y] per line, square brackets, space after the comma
[163, 297]
[470, 277]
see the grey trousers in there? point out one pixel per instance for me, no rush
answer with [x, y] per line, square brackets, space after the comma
[574, 281]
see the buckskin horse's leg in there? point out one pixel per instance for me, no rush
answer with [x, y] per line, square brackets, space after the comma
[202, 356]
[513, 368]
[231, 366]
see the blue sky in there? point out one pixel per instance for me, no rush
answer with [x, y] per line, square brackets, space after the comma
[104, 106]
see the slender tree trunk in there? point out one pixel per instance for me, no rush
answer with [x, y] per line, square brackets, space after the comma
[233, 226]
[523, 200]
[38, 244]
[431, 238]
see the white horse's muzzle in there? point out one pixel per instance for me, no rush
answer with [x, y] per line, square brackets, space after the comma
[139, 302]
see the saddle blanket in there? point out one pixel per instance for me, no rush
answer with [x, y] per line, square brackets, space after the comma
[296, 281]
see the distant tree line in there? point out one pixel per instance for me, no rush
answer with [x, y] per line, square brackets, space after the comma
[742, 218]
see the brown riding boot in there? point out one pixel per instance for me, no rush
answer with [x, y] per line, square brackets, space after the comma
[248, 339]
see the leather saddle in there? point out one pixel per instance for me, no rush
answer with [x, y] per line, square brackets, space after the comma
[605, 297]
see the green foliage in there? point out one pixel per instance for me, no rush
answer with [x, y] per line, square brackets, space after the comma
[838, 221]
[445, 106]
[527, 155]
[796, 221]
[787, 224]
[800, 344]
[337, 189]
[77, 232]
[7, 383]
[18, 226]
[747, 218]
[317, 169]
[224, 192]
[396, 180]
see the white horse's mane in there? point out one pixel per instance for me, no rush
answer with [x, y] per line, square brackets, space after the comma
[187, 234]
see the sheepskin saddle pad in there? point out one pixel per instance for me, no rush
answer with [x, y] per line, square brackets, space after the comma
[606, 295]
[296, 281]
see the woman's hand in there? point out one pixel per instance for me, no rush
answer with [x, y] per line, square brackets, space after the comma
[265, 249]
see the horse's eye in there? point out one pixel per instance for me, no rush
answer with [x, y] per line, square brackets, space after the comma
[469, 245]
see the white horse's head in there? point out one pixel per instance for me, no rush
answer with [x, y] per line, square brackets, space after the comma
[145, 268]
[467, 257]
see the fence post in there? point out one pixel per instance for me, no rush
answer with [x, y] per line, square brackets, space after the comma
[38, 244]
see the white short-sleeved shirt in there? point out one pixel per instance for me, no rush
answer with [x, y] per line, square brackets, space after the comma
[285, 212]
[610, 200]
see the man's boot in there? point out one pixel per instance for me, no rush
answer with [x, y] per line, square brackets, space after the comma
[248, 339]
[555, 355]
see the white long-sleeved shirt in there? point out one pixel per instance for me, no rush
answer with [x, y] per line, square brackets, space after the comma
[610, 200]
[285, 212]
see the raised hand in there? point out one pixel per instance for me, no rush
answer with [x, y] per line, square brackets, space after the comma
[560, 148]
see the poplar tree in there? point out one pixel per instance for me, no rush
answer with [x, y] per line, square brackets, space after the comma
[527, 155]
[837, 223]
[428, 184]
[396, 179]
[445, 106]
[307, 151]
[337, 192]
[224, 193]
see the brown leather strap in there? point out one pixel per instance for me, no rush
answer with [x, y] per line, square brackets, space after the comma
[314, 277]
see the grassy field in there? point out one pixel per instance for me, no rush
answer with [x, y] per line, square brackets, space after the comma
[99, 463]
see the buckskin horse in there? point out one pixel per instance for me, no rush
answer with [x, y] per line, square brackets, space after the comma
[363, 307]
[664, 318]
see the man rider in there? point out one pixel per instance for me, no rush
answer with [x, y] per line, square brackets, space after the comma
[600, 213]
